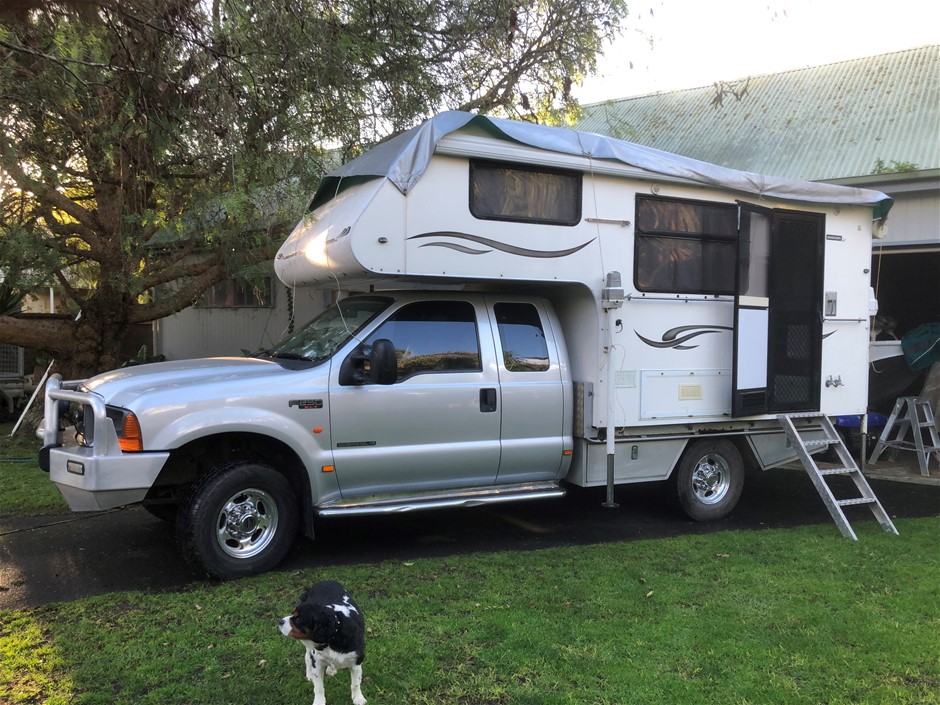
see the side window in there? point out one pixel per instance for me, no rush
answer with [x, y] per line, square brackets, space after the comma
[238, 293]
[685, 247]
[433, 336]
[524, 194]
[521, 337]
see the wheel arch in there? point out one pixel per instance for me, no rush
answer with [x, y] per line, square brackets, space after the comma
[194, 459]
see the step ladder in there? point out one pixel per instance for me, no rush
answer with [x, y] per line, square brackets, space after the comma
[812, 424]
[910, 414]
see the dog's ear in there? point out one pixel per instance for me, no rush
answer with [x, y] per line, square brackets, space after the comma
[315, 622]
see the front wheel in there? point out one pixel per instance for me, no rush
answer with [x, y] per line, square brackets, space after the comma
[240, 519]
[709, 479]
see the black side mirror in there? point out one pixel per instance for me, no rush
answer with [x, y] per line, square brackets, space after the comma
[370, 364]
[384, 362]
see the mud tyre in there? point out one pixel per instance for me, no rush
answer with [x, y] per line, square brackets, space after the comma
[239, 519]
[709, 479]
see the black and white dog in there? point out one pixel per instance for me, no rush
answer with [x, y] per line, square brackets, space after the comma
[331, 626]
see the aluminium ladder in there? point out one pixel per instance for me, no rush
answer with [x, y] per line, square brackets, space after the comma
[910, 414]
[814, 422]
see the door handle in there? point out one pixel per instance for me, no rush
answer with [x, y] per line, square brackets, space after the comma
[488, 400]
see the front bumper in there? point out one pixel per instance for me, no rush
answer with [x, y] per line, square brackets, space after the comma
[90, 482]
[99, 475]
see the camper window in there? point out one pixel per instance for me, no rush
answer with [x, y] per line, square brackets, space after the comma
[523, 194]
[685, 247]
[433, 336]
[521, 337]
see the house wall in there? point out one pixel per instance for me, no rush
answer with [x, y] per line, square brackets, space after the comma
[914, 219]
[222, 332]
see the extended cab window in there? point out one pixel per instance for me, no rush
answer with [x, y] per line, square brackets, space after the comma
[685, 247]
[433, 336]
[524, 194]
[521, 337]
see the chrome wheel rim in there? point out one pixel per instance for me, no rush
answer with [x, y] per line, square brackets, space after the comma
[711, 479]
[247, 523]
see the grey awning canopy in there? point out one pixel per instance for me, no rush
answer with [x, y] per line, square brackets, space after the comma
[403, 160]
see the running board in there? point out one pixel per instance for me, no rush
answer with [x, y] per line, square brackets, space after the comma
[474, 497]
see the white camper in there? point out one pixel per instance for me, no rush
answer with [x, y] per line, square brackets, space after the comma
[693, 299]
[519, 309]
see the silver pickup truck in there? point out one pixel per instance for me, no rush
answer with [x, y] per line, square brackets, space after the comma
[384, 403]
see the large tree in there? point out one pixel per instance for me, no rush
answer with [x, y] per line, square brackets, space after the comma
[163, 145]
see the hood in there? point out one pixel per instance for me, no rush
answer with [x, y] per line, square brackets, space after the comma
[121, 387]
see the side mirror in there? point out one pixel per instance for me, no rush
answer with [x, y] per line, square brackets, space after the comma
[370, 364]
[384, 362]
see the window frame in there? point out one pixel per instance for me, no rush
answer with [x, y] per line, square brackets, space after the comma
[574, 174]
[239, 286]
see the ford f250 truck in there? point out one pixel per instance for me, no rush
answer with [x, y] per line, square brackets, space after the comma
[537, 308]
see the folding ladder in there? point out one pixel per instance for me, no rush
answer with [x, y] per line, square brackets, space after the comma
[910, 414]
[814, 423]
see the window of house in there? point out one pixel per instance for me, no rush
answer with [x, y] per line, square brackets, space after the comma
[518, 193]
[521, 337]
[685, 247]
[239, 293]
[433, 336]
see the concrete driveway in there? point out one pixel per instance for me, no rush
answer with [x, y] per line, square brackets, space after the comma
[62, 558]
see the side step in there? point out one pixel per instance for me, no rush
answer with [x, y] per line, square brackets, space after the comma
[803, 447]
[473, 497]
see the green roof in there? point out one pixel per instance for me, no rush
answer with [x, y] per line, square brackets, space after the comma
[819, 123]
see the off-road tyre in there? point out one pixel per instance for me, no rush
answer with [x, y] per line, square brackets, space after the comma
[239, 519]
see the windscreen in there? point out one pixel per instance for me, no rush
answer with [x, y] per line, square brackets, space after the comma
[329, 331]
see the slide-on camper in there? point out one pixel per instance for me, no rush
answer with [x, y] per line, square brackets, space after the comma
[519, 309]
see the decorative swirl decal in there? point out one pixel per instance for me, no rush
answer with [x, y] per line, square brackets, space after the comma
[459, 248]
[672, 339]
[495, 245]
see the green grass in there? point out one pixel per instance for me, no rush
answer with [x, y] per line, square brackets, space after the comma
[24, 489]
[779, 616]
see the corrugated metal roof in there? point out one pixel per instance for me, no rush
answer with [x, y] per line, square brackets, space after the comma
[824, 122]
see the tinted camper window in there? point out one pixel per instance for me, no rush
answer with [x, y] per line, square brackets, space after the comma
[685, 247]
[523, 194]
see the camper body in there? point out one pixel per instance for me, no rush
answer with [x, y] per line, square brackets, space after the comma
[733, 308]
[518, 309]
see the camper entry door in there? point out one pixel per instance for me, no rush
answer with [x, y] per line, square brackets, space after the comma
[778, 312]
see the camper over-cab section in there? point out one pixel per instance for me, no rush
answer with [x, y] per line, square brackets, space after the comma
[744, 295]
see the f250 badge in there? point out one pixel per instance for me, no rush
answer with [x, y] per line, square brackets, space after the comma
[306, 403]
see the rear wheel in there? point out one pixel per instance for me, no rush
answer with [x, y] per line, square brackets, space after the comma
[709, 479]
[240, 519]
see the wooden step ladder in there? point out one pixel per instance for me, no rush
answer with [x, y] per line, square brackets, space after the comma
[910, 414]
[813, 423]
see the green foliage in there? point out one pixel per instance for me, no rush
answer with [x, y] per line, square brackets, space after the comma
[168, 144]
[894, 167]
[777, 617]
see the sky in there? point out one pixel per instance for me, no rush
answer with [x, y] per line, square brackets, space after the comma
[673, 44]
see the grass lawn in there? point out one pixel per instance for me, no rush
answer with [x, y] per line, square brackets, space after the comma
[777, 616]
[24, 489]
